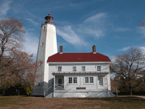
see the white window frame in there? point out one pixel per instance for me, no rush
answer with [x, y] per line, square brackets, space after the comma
[102, 84]
[84, 67]
[89, 80]
[73, 79]
[98, 68]
[74, 70]
[58, 68]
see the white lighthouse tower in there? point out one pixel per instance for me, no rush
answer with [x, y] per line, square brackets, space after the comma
[47, 47]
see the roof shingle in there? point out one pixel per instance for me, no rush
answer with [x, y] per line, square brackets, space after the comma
[78, 57]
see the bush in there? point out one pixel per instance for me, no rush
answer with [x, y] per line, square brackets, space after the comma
[18, 89]
[28, 90]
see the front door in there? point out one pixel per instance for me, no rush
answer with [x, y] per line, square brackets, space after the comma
[59, 81]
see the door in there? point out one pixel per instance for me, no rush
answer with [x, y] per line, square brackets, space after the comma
[59, 81]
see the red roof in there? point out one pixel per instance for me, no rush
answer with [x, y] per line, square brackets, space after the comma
[78, 57]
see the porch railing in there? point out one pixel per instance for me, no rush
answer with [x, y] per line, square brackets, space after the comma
[48, 90]
[59, 86]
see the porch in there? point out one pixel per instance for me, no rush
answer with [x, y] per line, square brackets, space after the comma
[59, 82]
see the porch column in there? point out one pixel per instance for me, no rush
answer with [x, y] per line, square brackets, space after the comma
[54, 84]
[108, 84]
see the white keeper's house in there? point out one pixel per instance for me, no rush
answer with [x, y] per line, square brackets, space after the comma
[69, 74]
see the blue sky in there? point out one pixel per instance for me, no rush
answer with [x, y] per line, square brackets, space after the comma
[111, 25]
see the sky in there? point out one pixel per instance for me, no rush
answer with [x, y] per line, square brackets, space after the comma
[112, 25]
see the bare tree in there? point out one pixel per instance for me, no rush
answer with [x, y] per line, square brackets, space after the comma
[130, 67]
[16, 66]
[11, 35]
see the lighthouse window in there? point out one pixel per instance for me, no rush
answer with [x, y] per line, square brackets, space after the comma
[44, 27]
[42, 43]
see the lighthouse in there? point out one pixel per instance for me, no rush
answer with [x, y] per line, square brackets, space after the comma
[47, 47]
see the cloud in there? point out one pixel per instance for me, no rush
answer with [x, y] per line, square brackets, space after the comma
[142, 48]
[68, 34]
[113, 58]
[122, 29]
[32, 21]
[95, 25]
[125, 48]
[77, 34]
[31, 43]
[5, 7]
[96, 17]
[141, 30]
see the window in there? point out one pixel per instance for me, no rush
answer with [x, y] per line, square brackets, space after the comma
[59, 68]
[75, 79]
[72, 80]
[98, 68]
[44, 27]
[89, 80]
[74, 68]
[100, 81]
[83, 68]
[42, 43]
[86, 79]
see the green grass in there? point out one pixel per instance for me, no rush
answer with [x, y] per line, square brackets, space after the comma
[11, 100]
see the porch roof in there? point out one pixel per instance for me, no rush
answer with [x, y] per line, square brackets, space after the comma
[61, 73]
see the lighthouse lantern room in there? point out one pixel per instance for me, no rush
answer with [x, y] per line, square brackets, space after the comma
[48, 19]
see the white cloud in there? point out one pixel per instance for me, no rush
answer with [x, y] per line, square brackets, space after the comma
[31, 43]
[68, 34]
[142, 49]
[125, 48]
[93, 26]
[113, 58]
[96, 17]
[5, 7]
[141, 30]
[32, 21]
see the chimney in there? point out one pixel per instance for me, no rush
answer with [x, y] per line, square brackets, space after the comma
[61, 49]
[94, 49]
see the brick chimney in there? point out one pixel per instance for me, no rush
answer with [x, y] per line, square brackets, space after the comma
[61, 50]
[94, 49]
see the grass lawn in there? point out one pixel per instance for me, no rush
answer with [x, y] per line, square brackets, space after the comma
[22, 102]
